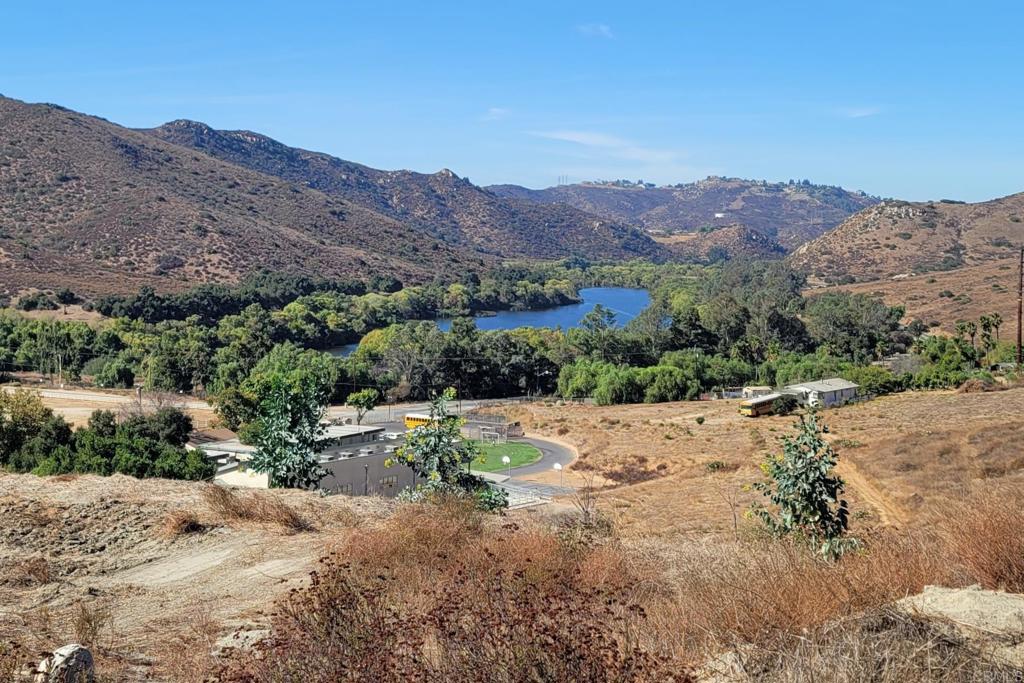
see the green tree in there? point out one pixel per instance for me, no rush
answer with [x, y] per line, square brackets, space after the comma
[437, 453]
[997, 322]
[805, 492]
[116, 373]
[290, 434]
[363, 401]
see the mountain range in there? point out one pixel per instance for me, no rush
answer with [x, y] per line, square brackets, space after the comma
[789, 213]
[442, 205]
[100, 208]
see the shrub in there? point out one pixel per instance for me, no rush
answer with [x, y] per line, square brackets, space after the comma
[435, 594]
[38, 301]
[115, 373]
[179, 523]
[255, 507]
[805, 493]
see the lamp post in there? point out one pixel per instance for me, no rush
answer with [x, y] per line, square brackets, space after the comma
[561, 475]
[507, 461]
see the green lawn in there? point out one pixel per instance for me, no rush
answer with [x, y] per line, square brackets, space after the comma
[520, 453]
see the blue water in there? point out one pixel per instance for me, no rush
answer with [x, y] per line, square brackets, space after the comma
[624, 302]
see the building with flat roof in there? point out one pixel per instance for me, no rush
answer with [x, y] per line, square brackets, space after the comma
[354, 458]
[824, 393]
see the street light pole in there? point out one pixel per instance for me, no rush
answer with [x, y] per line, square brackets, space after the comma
[508, 463]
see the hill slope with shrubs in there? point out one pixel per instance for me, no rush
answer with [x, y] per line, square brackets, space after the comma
[99, 208]
[790, 213]
[899, 238]
[441, 205]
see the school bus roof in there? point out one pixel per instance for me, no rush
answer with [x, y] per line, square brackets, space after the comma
[767, 398]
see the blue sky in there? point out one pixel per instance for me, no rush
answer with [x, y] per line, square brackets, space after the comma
[918, 100]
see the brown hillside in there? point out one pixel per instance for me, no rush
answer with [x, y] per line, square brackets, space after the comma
[723, 243]
[790, 213]
[949, 296]
[441, 204]
[100, 208]
[902, 238]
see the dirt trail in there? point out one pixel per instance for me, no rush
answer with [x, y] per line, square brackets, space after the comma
[888, 512]
[97, 543]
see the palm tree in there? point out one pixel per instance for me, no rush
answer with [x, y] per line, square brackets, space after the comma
[997, 320]
[986, 335]
[972, 330]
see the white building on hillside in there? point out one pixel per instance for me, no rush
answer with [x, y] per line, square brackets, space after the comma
[823, 393]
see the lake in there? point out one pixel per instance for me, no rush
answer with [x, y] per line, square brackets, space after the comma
[624, 302]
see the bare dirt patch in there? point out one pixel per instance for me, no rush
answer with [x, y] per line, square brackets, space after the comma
[85, 546]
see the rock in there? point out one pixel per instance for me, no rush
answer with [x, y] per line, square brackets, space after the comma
[244, 639]
[69, 664]
[991, 621]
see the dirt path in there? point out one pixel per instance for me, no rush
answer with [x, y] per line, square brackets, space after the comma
[85, 544]
[888, 513]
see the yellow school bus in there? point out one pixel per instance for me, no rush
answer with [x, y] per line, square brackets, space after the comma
[414, 420]
[762, 405]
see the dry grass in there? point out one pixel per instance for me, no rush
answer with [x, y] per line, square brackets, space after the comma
[731, 593]
[977, 289]
[29, 571]
[985, 532]
[90, 623]
[884, 646]
[899, 454]
[187, 653]
[256, 507]
[452, 595]
[13, 656]
[179, 522]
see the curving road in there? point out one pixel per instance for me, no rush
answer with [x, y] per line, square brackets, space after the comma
[550, 453]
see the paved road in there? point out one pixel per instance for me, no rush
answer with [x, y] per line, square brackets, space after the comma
[550, 453]
[381, 414]
[102, 397]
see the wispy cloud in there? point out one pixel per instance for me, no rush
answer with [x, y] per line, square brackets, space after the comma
[495, 114]
[596, 31]
[858, 112]
[610, 145]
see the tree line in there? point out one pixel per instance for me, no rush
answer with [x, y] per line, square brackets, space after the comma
[34, 439]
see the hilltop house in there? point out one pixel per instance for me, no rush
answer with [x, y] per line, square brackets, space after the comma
[823, 393]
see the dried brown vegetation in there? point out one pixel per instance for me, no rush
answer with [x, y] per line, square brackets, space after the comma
[790, 213]
[897, 238]
[900, 455]
[977, 289]
[986, 533]
[179, 523]
[437, 204]
[884, 646]
[453, 596]
[450, 596]
[257, 507]
[29, 571]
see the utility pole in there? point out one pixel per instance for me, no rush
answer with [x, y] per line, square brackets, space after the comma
[1020, 308]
